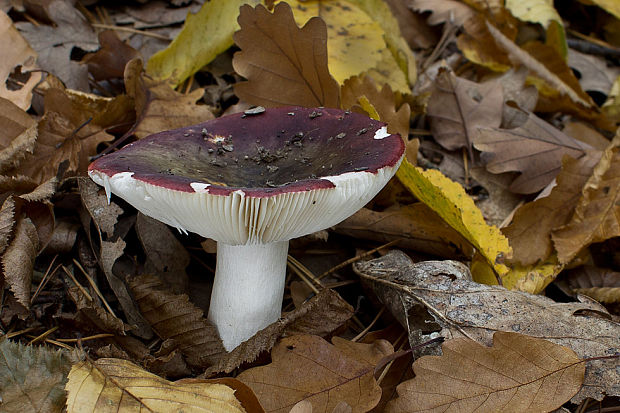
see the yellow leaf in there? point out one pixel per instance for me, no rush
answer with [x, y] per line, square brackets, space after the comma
[611, 107]
[519, 373]
[528, 278]
[204, 35]
[362, 36]
[113, 385]
[450, 201]
[543, 13]
[610, 6]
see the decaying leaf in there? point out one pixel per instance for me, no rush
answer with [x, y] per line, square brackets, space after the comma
[458, 107]
[18, 260]
[594, 74]
[109, 62]
[321, 315]
[309, 368]
[205, 35]
[530, 230]
[112, 385]
[420, 228]
[602, 284]
[450, 11]
[173, 316]
[165, 255]
[19, 133]
[463, 308]
[597, 214]
[158, 106]
[32, 378]
[54, 44]
[284, 65]
[518, 373]
[535, 149]
[449, 200]
[16, 54]
[104, 214]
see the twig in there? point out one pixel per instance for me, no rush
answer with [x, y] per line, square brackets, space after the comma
[372, 323]
[42, 336]
[301, 275]
[77, 284]
[305, 270]
[92, 284]
[130, 30]
[45, 279]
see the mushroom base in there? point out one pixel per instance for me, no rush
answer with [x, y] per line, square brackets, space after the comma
[248, 289]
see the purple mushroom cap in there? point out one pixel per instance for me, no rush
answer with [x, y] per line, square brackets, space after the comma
[242, 170]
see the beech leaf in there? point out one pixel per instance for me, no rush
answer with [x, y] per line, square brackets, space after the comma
[19, 133]
[112, 385]
[32, 378]
[518, 373]
[309, 368]
[535, 149]
[18, 260]
[173, 316]
[284, 65]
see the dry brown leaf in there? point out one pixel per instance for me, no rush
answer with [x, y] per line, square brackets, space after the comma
[284, 65]
[545, 63]
[104, 213]
[420, 228]
[530, 231]
[476, 46]
[17, 55]
[535, 149]
[417, 34]
[446, 11]
[173, 316]
[67, 132]
[158, 106]
[595, 75]
[602, 284]
[7, 221]
[55, 44]
[597, 214]
[113, 385]
[321, 315]
[19, 133]
[18, 260]
[384, 101]
[458, 107]
[309, 368]
[165, 255]
[458, 307]
[93, 313]
[519, 373]
[109, 62]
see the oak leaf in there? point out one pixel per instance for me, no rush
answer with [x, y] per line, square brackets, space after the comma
[597, 214]
[284, 65]
[309, 368]
[535, 149]
[112, 385]
[461, 308]
[458, 107]
[518, 373]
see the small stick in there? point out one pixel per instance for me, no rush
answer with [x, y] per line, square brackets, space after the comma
[357, 258]
[367, 329]
[305, 270]
[42, 336]
[19, 333]
[389, 365]
[130, 30]
[77, 284]
[45, 279]
[92, 284]
[301, 275]
[93, 337]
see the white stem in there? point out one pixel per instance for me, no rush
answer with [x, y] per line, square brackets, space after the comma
[248, 289]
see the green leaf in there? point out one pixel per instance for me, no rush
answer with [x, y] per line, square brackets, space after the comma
[32, 378]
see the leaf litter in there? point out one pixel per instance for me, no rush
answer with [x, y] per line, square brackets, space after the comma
[532, 153]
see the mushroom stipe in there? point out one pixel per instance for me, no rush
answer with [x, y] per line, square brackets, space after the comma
[252, 182]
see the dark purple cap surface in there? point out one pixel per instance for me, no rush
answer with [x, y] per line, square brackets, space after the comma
[274, 151]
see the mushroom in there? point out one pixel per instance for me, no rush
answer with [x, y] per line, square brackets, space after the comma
[252, 181]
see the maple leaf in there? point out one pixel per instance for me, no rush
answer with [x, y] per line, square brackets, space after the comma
[284, 65]
[535, 149]
[518, 373]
